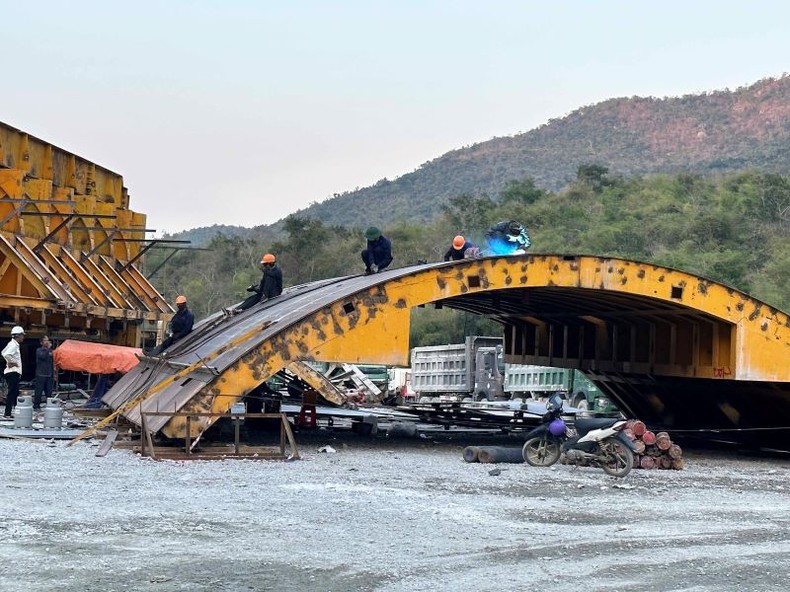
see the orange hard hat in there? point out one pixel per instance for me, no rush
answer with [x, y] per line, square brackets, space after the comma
[268, 258]
[181, 299]
[458, 242]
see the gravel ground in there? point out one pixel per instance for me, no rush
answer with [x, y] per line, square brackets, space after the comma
[385, 515]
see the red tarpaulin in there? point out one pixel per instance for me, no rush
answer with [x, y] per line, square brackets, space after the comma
[96, 358]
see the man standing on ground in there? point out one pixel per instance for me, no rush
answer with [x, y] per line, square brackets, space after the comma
[44, 372]
[378, 255]
[13, 368]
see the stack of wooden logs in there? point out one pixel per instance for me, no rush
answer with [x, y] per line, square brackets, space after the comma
[653, 450]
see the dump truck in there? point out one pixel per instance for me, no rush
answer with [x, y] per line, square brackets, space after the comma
[459, 370]
[528, 381]
[476, 370]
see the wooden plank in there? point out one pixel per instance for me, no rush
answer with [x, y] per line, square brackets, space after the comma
[107, 443]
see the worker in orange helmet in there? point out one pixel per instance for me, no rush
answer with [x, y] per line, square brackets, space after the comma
[179, 327]
[460, 249]
[271, 284]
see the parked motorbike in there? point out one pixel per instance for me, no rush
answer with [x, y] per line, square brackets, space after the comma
[593, 441]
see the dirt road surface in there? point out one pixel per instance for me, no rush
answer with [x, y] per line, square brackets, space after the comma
[389, 516]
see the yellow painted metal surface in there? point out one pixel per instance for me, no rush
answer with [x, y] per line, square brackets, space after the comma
[72, 207]
[599, 314]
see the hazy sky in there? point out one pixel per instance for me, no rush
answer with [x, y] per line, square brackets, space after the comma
[241, 112]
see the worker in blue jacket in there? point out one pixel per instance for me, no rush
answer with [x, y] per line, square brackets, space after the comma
[508, 238]
[378, 254]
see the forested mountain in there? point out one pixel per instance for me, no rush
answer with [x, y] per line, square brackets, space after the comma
[715, 132]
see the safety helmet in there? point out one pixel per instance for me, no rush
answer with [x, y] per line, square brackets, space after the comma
[372, 233]
[557, 427]
[268, 258]
[17, 331]
[458, 242]
[181, 299]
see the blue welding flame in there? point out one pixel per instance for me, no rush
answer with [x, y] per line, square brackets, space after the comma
[503, 247]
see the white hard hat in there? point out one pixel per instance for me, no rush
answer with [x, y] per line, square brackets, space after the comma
[17, 331]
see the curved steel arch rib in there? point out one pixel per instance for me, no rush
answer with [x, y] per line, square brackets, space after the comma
[633, 327]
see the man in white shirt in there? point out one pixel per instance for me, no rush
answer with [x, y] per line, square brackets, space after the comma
[13, 367]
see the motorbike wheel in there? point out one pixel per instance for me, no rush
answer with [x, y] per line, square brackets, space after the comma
[541, 451]
[619, 458]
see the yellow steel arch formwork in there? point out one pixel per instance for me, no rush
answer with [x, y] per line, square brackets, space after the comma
[674, 349]
[69, 248]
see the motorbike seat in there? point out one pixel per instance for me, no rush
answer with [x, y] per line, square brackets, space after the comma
[585, 424]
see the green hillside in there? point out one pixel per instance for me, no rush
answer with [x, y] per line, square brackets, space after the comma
[715, 132]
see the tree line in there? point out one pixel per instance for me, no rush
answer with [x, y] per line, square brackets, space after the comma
[732, 229]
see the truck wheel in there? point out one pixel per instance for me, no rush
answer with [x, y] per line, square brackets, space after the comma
[541, 451]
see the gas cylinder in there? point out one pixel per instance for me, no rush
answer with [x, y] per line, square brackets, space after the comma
[23, 412]
[53, 414]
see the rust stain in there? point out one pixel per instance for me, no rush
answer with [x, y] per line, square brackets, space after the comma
[484, 282]
[508, 280]
[755, 313]
[764, 326]
[739, 307]
[661, 278]
[702, 288]
[401, 303]
[440, 282]
[621, 270]
[624, 280]
[640, 274]
[336, 328]
[523, 279]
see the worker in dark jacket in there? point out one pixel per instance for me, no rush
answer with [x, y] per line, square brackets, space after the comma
[461, 249]
[180, 325]
[45, 371]
[378, 254]
[271, 284]
[508, 238]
